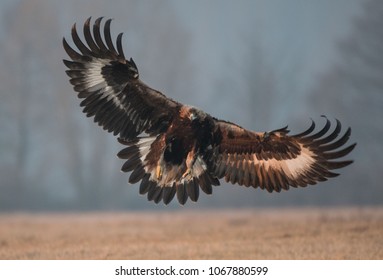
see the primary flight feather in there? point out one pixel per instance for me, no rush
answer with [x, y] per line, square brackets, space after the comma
[176, 150]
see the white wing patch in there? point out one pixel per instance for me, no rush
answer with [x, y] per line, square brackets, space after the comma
[93, 73]
[298, 165]
[291, 167]
[95, 81]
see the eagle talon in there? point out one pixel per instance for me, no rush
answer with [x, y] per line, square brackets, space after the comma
[187, 173]
[158, 172]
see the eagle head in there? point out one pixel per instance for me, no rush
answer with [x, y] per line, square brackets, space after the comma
[195, 114]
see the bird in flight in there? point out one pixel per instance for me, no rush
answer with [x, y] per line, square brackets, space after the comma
[177, 150]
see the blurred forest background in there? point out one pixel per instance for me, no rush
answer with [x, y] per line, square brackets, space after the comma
[261, 64]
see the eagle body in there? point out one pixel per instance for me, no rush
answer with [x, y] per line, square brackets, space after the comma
[175, 161]
[177, 150]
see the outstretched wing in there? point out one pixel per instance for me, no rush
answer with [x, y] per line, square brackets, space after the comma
[274, 160]
[110, 87]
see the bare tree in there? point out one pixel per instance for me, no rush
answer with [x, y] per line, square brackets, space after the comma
[353, 90]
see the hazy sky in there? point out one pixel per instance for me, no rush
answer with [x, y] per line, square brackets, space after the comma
[291, 32]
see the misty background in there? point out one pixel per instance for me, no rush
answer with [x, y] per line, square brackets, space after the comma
[261, 64]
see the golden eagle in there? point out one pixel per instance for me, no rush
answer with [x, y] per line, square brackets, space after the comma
[174, 149]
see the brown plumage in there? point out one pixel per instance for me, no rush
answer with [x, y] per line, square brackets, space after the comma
[176, 150]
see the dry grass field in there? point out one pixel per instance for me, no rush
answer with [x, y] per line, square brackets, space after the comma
[354, 233]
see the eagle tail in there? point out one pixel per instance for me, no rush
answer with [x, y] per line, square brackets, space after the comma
[159, 181]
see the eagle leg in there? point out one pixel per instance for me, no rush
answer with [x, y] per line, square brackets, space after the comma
[190, 160]
[158, 172]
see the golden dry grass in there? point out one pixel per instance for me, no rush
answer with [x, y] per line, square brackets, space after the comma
[219, 234]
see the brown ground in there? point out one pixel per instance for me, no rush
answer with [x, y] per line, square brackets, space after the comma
[219, 234]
